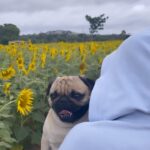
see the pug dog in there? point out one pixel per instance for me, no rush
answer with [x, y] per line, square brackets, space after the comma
[69, 100]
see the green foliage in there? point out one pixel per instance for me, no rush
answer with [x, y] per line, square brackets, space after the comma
[96, 23]
[6, 140]
[8, 32]
[17, 147]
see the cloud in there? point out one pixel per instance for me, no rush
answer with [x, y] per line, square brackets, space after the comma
[35, 16]
[43, 5]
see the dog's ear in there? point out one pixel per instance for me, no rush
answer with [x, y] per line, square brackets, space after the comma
[90, 83]
[48, 88]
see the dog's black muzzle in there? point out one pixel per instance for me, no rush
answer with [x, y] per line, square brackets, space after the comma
[67, 110]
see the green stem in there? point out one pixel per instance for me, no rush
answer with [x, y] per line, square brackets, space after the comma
[24, 121]
[7, 105]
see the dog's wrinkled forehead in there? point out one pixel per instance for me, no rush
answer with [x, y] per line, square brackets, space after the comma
[66, 84]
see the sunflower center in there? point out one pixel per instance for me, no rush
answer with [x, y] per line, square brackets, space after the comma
[23, 101]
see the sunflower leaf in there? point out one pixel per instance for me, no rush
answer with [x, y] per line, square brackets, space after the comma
[38, 116]
[21, 133]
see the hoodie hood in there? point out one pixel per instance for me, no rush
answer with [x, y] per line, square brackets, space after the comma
[123, 89]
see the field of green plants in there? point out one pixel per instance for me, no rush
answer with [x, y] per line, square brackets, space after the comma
[25, 71]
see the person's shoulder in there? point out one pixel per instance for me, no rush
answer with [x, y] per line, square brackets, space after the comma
[142, 35]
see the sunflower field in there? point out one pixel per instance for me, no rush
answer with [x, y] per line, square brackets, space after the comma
[25, 71]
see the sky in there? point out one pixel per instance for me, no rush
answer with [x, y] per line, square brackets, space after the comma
[36, 16]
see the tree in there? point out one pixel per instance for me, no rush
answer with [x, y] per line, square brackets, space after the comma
[8, 32]
[96, 23]
[123, 32]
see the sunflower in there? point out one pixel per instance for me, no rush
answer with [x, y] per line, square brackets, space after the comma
[6, 88]
[53, 53]
[25, 101]
[7, 73]
[25, 71]
[32, 66]
[68, 56]
[20, 62]
[82, 68]
[43, 59]
[93, 48]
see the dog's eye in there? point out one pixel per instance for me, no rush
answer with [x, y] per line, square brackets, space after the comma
[54, 95]
[76, 95]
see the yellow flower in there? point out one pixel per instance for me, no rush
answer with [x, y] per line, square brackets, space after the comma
[7, 73]
[82, 68]
[32, 66]
[82, 48]
[68, 56]
[25, 102]
[83, 58]
[20, 62]
[62, 52]
[25, 71]
[6, 88]
[43, 59]
[93, 48]
[53, 53]
[100, 60]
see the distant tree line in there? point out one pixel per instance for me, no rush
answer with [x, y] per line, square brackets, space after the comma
[45, 38]
[10, 32]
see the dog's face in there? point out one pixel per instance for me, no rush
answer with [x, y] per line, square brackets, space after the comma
[69, 97]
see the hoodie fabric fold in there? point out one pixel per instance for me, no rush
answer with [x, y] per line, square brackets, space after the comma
[124, 85]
